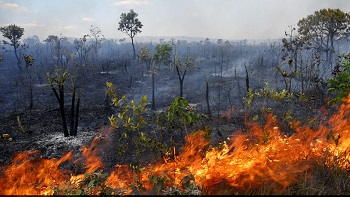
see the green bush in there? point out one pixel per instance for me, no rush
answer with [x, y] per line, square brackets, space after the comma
[340, 83]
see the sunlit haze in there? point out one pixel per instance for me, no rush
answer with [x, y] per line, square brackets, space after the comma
[226, 19]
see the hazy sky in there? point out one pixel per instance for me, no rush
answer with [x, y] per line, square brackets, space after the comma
[226, 19]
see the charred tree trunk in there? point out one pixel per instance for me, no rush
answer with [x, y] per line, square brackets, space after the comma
[130, 81]
[75, 131]
[181, 87]
[61, 102]
[153, 93]
[107, 101]
[207, 97]
[219, 98]
[246, 78]
[181, 79]
[72, 112]
[133, 47]
[60, 98]
[17, 57]
[125, 67]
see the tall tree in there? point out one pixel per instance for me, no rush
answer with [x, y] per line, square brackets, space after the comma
[82, 49]
[161, 56]
[56, 44]
[31, 41]
[130, 25]
[182, 65]
[59, 79]
[145, 57]
[292, 47]
[97, 39]
[14, 34]
[58, 84]
[324, 27]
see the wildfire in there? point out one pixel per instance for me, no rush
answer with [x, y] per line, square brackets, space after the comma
[263, 155]
[30, 175]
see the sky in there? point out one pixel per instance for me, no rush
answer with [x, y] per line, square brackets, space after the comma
[225, 19]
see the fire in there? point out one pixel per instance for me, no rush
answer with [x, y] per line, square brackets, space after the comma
[262, 155]
[30, 175]
[251, 159]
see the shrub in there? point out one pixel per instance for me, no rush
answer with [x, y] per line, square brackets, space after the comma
[340, 83]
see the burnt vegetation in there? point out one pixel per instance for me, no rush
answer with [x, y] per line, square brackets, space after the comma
[145, 98]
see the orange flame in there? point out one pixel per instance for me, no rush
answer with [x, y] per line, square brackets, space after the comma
[263, 155]
[30, 175]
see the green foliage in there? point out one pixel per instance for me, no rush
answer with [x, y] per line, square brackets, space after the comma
[329, 23]
[255, 117]
[29, 60]
[287, 116]
[207, 131]
[180, 110]
[129, 23]
[266, 93]
[20, 126]
[262, 109]
[144, 142]
[183, 63]
[249, 98]
[13, 33]
[180, 115]
[340, 83]
[130, 120]
[130, 116]
[145, 56]
[163, 54]
[59, 77]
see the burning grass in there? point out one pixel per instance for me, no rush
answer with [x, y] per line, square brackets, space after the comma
[260, 161]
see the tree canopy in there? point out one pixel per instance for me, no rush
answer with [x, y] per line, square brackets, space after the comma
[323, 27]
[13, 33]
[130, 25]
[163, 53]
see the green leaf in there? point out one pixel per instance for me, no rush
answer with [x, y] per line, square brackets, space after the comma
[124, 135]
[91, 183]
[79, 192]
